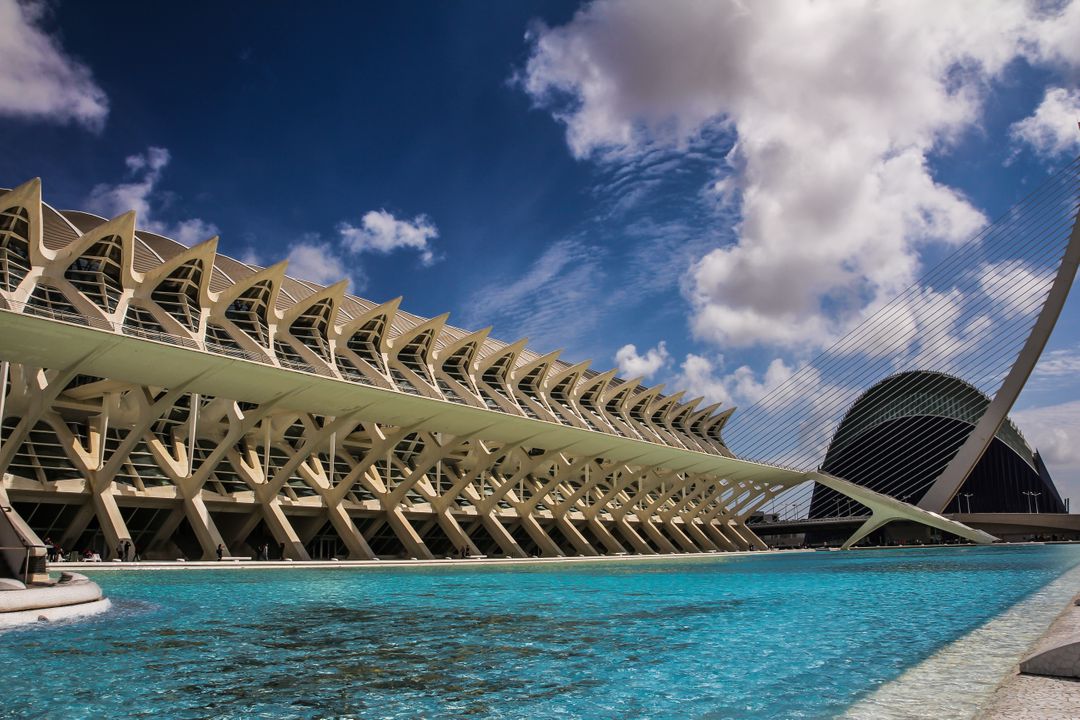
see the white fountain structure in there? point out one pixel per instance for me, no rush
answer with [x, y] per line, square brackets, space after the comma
[28, 594]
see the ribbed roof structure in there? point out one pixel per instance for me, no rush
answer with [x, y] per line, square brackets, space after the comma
[264, 314]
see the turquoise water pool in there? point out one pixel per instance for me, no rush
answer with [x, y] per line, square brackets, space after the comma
[779, 636]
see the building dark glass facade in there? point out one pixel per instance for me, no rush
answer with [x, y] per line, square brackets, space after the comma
[899, 436]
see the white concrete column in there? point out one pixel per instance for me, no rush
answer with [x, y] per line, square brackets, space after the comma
[349, 534]
[206, 532]
[283, 531]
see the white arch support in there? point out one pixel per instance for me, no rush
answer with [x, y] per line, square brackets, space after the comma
[959, 468]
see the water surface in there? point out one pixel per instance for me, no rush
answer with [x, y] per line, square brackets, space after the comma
[799, 635]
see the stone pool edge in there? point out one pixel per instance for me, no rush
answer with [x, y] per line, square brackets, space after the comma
[375, 564]
[1033, 697]
[959, 680]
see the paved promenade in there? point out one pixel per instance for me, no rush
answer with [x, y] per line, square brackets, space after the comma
[1032, 697]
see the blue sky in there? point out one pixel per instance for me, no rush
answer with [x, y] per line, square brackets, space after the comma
[686, 178]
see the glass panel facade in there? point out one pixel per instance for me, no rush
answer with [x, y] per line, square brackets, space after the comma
[14, 247]
[96, 273]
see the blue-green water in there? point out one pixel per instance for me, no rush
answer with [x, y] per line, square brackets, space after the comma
[778, 636]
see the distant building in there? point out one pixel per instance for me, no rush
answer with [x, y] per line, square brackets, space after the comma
[900, 434]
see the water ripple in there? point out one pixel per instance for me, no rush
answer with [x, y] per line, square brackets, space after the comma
[786, 636]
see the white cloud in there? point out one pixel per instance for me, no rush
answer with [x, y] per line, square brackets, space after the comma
[1052, 130]
[1054, 431]
[146, 170]
[192, 231]
[142, 195]
[550, 303]
[381, 232]
[1059, 363]
[37, 78]
[1015, 286]
[786, 414]
[705, 377]
[250, 256]
[699, 377]
[310, 258]
[836, 108]
[317, 261]
[645, 366]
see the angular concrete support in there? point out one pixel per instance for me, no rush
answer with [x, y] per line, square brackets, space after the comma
[632, 537]
[77, 526]
[875, 521]
[680, 537]
[543, 541]
[202, 524]
[502, 536]
[111, 521]
[414, 544]
[691, 528]
[724, 529]
[23, 554]
[1062, 660]
[458, 537]
[349, 534]
[1057, 652]
[307, 528]
[167, 528]
[650, 529]
[574, 536]
[600, 531]
[713, 530]
[283, 532]
[240, 532]
[749, 536]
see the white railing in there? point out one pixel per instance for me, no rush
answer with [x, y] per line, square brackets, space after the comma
[210, 346]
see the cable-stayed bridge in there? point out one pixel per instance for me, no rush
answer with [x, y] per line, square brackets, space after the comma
[911, 399]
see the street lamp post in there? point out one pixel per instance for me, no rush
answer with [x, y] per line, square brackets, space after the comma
[1027, 494]
[968, 496]
[1031, 495]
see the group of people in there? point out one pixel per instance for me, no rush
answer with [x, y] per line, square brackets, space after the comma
[125, 551]
[53, 550]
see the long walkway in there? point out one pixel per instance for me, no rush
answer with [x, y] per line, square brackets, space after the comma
[249, 564]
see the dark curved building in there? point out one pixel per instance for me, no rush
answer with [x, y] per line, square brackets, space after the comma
[898, 437]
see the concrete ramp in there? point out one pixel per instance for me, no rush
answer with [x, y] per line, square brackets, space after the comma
[885, 509]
